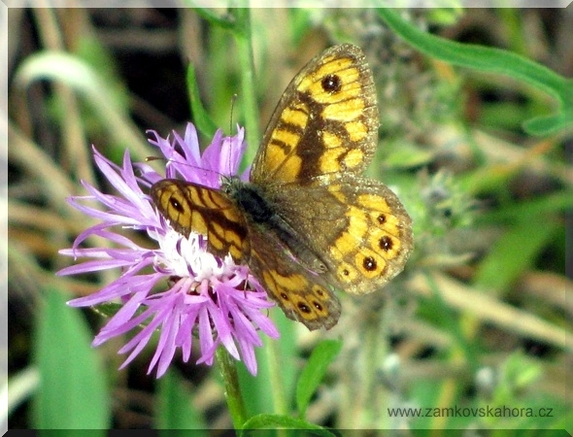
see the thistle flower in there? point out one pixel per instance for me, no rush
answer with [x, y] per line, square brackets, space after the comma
[175, 287]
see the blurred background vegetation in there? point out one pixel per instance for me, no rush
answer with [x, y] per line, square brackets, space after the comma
[482, 315]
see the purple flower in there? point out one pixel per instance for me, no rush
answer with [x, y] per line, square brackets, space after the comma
[199, 294]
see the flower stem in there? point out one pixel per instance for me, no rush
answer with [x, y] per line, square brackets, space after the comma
[272, 348]
[242, 36]
[228, 369]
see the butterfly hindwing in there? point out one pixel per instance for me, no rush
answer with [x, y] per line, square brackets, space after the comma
[303, 296]
[365, 233]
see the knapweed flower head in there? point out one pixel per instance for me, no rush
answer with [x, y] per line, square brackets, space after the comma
[176, 287]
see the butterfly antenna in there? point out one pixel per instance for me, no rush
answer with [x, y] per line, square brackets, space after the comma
[233, 100]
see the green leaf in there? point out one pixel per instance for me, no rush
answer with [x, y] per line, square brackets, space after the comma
[515, 252]
[175, 410]
[272, 389]
[494, 60]
[73, 393]
[406, 155]
[543, 206]
[201, 118]
[314, 371]
[263, 421]
[256, 392]
[547, 125]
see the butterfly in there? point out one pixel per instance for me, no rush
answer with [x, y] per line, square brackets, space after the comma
[308, 221]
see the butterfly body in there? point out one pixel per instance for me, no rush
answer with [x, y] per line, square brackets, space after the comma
[262, 210]
[307, 221]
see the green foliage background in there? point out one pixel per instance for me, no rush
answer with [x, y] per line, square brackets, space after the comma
[475, 139]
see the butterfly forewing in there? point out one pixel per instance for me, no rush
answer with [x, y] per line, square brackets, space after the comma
[326, 122]
[190, 207]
